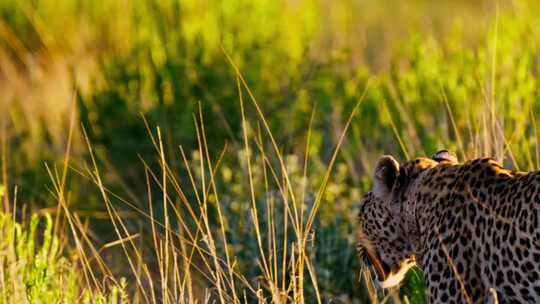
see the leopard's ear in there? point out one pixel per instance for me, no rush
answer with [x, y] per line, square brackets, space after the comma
[386, 173]
[444, 155]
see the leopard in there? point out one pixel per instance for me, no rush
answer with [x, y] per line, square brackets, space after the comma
[471, 227]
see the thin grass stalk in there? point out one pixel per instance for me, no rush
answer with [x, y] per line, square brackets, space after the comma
[90, 278]
[452, 120]
[113, 214]
[260, 114]
[218, 205]
[254, 209]
[165, 251]
[217, 271]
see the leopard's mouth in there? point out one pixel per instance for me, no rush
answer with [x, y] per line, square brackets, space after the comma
[395, 277]
[387, 276]
[381, 268]
[370, 256]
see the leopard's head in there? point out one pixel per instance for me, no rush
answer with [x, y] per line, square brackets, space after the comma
[383, 228]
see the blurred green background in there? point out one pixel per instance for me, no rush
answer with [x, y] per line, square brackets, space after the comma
[460, 75]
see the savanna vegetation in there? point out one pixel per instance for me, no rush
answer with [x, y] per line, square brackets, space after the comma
[215, 151]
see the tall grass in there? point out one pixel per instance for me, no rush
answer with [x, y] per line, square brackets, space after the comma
[193, 241]
[195, 250]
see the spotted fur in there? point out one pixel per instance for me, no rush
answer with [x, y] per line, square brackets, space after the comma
[473, 228]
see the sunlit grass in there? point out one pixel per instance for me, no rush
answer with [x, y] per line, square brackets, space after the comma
[34, 270]
[195, 261]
